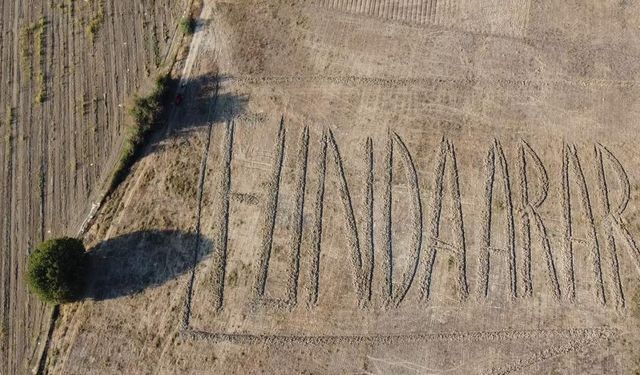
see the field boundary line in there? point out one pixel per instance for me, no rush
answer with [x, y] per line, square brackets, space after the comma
[373, 81]
[586, 334]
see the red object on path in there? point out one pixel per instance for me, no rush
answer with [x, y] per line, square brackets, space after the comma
[178, 99]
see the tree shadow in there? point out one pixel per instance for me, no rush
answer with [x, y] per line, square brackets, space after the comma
[133, 262]
[204, 100]
[178, 107]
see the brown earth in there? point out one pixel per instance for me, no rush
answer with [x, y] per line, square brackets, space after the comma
[452, 189]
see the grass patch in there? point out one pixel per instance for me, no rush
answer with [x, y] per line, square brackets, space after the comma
[11, 116]
[25, 51]
[95, 23]
[182, 180]
[41, 183]
[35, 35]
[155, 47]
[67, 7]
[145, 113]
[39, 31]
[188, 25]
[4, 329]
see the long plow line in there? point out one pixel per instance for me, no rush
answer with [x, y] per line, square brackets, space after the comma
[575, 334]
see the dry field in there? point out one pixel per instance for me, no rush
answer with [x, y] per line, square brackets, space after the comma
[381, 186]
[68, 69]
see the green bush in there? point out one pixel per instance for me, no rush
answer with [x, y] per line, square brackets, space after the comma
[145, 112]
[57, 270]
[188, 25]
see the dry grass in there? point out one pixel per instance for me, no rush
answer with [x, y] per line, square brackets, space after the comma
[39, 31]
[95, 23]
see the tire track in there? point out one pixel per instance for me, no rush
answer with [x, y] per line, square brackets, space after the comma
[548, 353]
[394, 82]
[444, 13]
[219, 256]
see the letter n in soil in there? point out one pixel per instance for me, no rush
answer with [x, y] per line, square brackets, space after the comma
[496, 164]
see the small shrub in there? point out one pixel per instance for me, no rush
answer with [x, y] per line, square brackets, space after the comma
[57, 270]
[188, 25]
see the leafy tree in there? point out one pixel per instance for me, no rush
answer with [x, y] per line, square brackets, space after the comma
[57, 270]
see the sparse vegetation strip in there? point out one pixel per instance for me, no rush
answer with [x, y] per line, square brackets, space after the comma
[39, 30]
[35, 34]
[146, 112]
[95, 23]
[575, 334]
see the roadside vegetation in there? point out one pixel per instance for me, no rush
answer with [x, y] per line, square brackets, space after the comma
[145, 112]
[57, 270]
[188, 25]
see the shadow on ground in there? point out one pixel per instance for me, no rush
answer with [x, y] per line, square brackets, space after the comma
[204, 100]
[133, 262]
